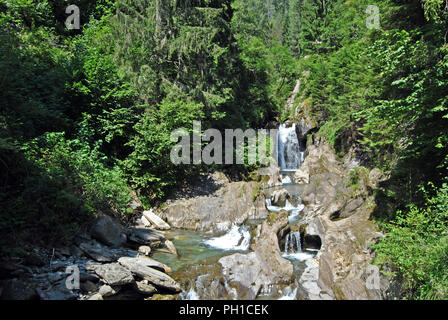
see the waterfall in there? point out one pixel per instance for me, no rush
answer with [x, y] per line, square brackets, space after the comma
[238, 238]
[290, 155]
[293, 248]
[288, 207]
[190, 295]
[292, 244]
[289, 294]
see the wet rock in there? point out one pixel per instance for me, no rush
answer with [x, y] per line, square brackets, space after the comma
[17, 289]
[156, 221]
[271, 176]
[279, 197]
[171, 248]
[114, 274]
[205, 281]
[139, 267]
[108, 231]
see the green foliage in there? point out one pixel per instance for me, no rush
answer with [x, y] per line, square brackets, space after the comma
[149, 167]
[102, 189]
[417, 247]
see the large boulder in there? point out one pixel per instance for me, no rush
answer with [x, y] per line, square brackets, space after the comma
[114, 274]
[145, 235]
[251, 272]
[97, 252]
[279, 197]
[245, 273]
[108, 231]
[140, 268]
[217, 210]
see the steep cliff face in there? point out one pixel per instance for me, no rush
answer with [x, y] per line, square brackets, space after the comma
[338, 206]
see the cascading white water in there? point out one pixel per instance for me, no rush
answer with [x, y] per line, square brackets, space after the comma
[292, 244]
[290, 157]
[289, 294]
[293, 247]
[288, 207]
[190, 295]
[238, 239]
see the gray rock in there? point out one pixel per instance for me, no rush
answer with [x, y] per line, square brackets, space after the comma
[146, 250]
[97, 252]
[108, 291]
[114, 274]
[57, 292]
[230, 203]
[145, 236]
[88, 276]
[301, 177]
[279, 197]
[88, 286]
[143, 287]
[263, 267]
[135, 204]
[171, 248]
[139, 268]
[56, 276]
[339, 214]
[108, 231]
[156, 221]
[96, 296]
[148, 262]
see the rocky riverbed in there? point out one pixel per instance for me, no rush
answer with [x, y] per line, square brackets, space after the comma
[225, 240]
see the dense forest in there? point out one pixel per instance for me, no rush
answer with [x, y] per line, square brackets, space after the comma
[86, 114]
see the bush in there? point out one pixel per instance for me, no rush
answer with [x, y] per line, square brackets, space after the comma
[417, 247]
